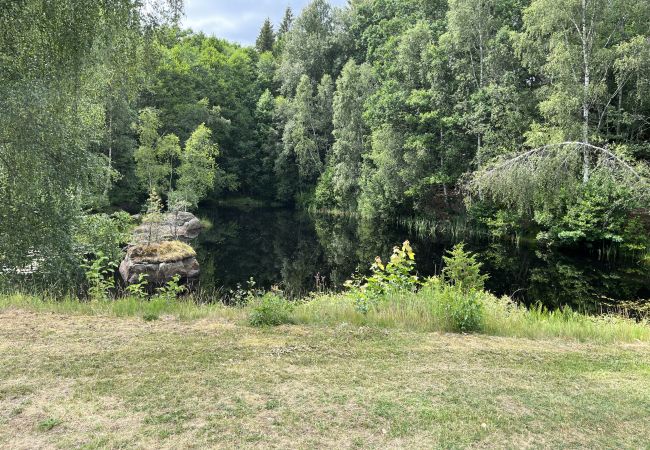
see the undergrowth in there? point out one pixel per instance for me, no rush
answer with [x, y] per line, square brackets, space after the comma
[393, 296]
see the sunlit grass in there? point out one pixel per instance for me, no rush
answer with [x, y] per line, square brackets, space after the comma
[424, 311]
[428, 310]
[96, 381]
[184, 309]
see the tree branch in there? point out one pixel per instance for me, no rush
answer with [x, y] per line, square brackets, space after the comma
[529, 153]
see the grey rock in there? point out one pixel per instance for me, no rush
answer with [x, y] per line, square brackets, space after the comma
[182, 226]
[158, 273]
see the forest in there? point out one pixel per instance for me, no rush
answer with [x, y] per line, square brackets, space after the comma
[527, 116]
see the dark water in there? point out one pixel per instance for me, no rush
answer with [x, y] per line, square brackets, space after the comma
[300, 253]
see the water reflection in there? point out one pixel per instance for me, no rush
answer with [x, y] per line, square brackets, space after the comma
[290, 249]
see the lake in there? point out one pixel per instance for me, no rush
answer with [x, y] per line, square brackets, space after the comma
[301, 252]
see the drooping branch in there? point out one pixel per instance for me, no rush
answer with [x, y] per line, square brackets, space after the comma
[540, 150]
[538, 175]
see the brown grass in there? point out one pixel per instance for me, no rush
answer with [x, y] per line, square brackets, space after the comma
[105, 382]
[166, 251]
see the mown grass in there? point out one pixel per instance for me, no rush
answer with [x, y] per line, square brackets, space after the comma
[82, 381]
[155, 308]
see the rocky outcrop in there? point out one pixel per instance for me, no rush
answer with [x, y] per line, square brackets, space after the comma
[182, 226]
[160, 263]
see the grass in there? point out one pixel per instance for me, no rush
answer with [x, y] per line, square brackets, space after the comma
[86, 378]
[166, 251]
[429, 310]
[182, 309]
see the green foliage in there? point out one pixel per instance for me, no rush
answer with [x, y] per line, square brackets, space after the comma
[266, 38]
[287, 21]
[100, 276]
[311, 47]
[153, 217]
[52, 97]
[383, 184]
[150, 316]
[101, 233]
[171, 290]
[155, 156]
[199, 79]
[271, 310]
[575, 43]
[139, 288]
[351, 145]
[244, 295]
[198, 170]
[463, 270]
[324, 196]
[465, 309]
[636, 236]
[502, 224]
[600, 213]
[379, 108]
[395, 276]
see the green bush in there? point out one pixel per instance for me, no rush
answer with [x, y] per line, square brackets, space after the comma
[171, 290]
[463, 270]
[395, 276]
[271, 310]
[465, 309]
[101, 233]
[99, 275]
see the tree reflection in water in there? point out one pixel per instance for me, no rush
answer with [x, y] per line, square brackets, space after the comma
[291, 248]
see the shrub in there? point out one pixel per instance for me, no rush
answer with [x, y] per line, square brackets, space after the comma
[150, 317]
[103, 233]
[139, 289]
[465, 310]
[171, 290]
[463, 270]
[99, 274]
[271, 310]
[244, 296]
[397, 275]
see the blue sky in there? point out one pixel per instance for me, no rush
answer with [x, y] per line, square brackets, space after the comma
[239, 20]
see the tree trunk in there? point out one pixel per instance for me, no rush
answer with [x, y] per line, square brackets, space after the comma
[620, 112]
[110, 154]
[585, 95]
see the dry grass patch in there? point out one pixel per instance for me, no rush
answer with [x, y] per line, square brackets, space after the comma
[161, 252]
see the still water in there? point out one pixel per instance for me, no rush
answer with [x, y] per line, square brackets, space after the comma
[300, 253]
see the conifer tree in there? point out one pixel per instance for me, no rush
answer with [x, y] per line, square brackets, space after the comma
[287, 21]
[266, 38]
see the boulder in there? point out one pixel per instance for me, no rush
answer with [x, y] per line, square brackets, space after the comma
[182, 226]
[160, 262]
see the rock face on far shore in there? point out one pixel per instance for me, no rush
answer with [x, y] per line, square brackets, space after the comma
[182, 226]
[160, 262]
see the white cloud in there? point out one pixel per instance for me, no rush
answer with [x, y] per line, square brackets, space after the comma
[238, 20]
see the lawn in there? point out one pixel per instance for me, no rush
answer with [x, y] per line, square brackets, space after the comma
[93, 381]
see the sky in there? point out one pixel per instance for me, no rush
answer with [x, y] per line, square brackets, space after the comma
[239, 20]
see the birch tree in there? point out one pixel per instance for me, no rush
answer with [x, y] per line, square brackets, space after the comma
[574, 46]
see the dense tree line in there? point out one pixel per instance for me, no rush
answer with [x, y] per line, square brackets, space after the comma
[403, 107]
[388, 108]
[526, 113]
